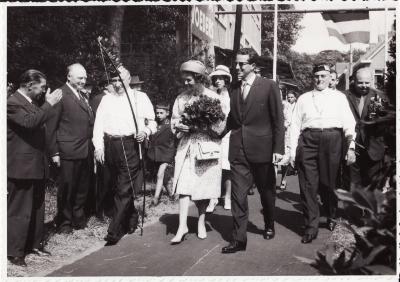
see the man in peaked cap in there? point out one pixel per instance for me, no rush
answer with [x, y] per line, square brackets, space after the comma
[319, 120]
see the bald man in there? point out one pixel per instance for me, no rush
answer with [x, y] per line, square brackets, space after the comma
[69, 136]
[371, 152]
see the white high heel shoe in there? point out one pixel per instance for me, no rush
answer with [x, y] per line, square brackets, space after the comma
[211, 206]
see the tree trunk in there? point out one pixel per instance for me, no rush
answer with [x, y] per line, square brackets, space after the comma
[116, 20]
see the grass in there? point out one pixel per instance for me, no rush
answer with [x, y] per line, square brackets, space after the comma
[66, 248]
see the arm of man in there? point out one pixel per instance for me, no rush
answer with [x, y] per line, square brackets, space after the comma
[51, 129]
[98, 133]
[151, 127]
[349, 125]
[28, 120]
[276, 113]
[294, 128]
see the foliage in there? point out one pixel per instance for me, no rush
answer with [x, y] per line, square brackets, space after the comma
[372, 212]
[288, 29]
[391, 70]
[50, 39]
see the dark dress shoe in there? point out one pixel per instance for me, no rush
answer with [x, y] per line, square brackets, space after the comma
[65, 230]
[250, 192]
[269, 234]
[331, 224]
[111, 241]
[132, 229]
[234, 247]
[307, 238]
[20, 261]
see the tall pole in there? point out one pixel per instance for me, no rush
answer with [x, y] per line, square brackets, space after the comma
[275, 42]
[386, 42]
[238, 29]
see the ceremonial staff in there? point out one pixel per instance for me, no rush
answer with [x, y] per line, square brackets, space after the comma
[141, 160]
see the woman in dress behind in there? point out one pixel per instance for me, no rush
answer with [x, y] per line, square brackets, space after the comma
[221, 78]
[196, 180]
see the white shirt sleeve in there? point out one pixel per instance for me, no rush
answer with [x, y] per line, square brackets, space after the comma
[98, 130]
[295, 128]
[151, 128]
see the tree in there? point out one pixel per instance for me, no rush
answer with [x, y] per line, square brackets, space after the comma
[288, 29]
[116, 20]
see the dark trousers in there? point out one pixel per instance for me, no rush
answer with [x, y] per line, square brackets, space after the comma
[72, 192]
[25, 215]
[318, 159]
[243, 175]
[363, 171]
[104, 191]
[122, 161]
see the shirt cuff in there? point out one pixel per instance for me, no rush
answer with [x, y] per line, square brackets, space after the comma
[147, 131]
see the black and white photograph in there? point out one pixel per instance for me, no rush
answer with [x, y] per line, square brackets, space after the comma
[199, 140]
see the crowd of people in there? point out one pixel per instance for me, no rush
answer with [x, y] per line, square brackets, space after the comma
[110, 134]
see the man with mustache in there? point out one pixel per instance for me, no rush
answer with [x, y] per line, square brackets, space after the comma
[117, 147]
[372, 150]
[69, 137]
[27, 165]
[319, 120]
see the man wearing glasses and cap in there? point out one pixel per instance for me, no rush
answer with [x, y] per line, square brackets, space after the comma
[320, 119]
[116, 146]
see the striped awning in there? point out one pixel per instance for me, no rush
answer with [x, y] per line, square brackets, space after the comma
[348, 27]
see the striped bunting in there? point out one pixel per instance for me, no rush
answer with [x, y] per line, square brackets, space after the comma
[348, 27]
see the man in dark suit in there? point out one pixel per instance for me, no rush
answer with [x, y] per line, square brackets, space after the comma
[371, 153]
[256, 142]
[70, 131]
[27, 165]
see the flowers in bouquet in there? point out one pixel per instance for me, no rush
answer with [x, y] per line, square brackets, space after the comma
[376, 107]
[203, 113]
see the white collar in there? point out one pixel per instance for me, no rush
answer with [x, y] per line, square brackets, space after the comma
[25, 96]
[73, 90]
[250, 78]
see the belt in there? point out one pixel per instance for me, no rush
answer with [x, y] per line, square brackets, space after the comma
[329, 129]
[119, 137]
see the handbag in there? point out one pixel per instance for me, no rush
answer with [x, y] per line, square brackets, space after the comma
[208, 151]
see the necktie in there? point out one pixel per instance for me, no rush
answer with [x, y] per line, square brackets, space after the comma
[85, 102]
[245, 90]
[361, 105]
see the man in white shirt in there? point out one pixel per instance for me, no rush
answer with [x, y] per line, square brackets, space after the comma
[320, 119]
[116, 139]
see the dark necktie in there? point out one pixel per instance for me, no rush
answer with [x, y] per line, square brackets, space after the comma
[85, 102]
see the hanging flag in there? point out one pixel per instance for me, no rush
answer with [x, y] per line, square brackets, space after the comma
[348, 27]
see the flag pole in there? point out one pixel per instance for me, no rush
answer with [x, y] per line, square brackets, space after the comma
[386, 41]
[275, 42]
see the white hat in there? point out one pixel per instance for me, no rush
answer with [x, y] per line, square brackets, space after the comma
[222, 70]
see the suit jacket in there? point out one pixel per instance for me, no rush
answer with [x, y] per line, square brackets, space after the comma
[375, 146]
[26, 156]
[70, 127]
[257, 122]
[162, 145]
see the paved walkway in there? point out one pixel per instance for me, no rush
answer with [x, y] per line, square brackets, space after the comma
[152, 254]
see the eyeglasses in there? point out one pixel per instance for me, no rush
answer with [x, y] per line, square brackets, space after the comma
[115, 79]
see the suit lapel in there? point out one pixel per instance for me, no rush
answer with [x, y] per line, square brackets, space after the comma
[353, 103]
[367, 102]
[76, 99]
[25, 103]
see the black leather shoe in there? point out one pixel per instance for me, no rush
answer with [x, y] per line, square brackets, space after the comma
[111, 240]
[65, 230]
[234, 247]
[132, 228]
[250, 192]
[307, 238]
[269, 234]
[20, 261]
[40, 252]
[331, 224]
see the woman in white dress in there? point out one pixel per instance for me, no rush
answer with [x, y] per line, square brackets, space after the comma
[196, 180]
[221, 78]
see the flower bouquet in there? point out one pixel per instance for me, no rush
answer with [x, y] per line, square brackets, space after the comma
[376, 107]
[202, 113]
